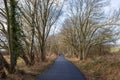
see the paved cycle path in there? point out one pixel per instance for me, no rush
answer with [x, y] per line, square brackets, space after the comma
[62, 70]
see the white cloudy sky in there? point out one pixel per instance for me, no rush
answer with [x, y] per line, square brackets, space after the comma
[114, 4]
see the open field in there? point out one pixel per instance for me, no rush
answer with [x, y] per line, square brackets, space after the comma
[101, 68]
[115, 49]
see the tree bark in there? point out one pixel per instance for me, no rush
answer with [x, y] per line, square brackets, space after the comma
[13, 55]
[43, 52]
[25, 58]
[32, 45]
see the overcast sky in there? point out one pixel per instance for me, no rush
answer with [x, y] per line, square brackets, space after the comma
[114, 5]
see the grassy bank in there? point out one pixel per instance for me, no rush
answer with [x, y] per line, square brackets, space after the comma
[100, 68]
[30, 72]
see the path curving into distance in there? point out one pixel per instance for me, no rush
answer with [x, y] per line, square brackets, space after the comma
[62, 70]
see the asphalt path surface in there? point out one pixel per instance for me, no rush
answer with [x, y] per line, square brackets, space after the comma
[62, 70]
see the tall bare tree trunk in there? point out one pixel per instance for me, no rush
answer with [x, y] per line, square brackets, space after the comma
[8, 25]
[32, 56]
[43, 57]
[32, 45]
[9, 36]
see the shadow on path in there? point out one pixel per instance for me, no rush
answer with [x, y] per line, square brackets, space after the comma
[62, 70]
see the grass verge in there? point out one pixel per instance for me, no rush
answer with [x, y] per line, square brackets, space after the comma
[30, 72]
[101, 68]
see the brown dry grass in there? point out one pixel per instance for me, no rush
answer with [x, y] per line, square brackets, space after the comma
[30, 72]
[100, 68]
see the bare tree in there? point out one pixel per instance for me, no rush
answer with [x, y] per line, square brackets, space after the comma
[12, 32]
[48, 13]
[87, 25]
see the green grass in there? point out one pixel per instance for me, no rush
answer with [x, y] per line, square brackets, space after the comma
[114, 49]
